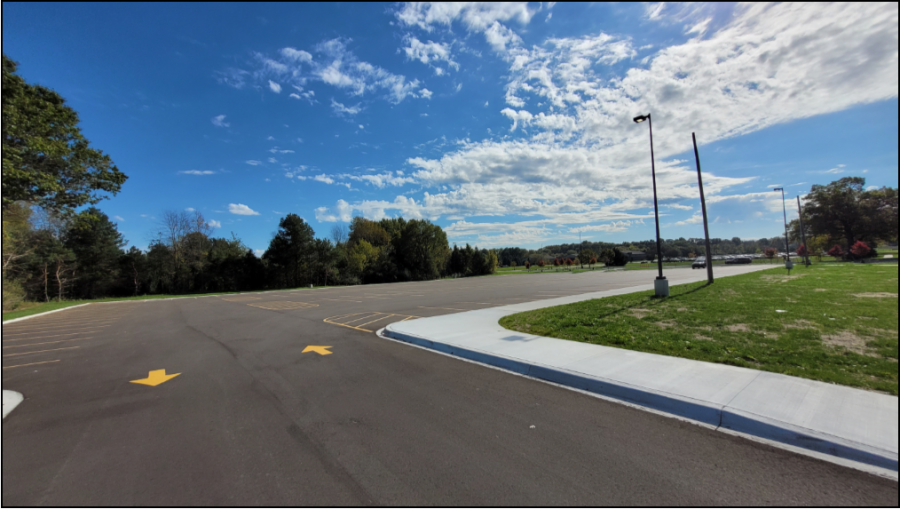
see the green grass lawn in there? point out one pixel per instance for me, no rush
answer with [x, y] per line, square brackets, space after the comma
[33, 308]
[838, 323]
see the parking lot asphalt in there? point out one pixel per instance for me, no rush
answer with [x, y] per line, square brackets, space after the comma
[289, 398]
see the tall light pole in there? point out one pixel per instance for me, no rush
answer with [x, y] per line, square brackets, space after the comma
[787, 246]
[661, 285]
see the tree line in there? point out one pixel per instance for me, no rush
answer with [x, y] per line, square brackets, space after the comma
[54, 257]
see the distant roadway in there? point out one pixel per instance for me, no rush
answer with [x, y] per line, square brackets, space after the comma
[253, 420]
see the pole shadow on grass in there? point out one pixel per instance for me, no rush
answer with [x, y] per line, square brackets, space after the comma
[654, 301]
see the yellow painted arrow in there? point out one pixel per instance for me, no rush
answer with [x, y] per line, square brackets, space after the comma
[155, 378]
[321, 350]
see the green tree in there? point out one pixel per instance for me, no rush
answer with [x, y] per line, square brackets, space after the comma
[46, 160]
[290, 252]
[585, 256]
[133, 271]
[97, 246]
[844, 210]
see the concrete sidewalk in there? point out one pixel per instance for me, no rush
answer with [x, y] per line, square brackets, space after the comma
[848, 423]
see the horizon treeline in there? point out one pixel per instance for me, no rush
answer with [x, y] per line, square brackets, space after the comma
[81, 256]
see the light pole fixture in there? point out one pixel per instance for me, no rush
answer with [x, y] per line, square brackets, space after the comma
[661, 285]
[787, 247]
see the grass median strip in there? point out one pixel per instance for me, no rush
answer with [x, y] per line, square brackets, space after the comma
[832, 322]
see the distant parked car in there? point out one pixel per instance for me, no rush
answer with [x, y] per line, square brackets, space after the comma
[738, 260]
[699, 263]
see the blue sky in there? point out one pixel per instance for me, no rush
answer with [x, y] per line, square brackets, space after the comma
[508, 125]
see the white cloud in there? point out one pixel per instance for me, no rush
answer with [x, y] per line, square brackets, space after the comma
[214, 224]
[297, 55]
[342, 212]
[276, 150]
[324, 178]
[219, 121]
[197, 172]
[697, 218]
[517, 116]
[475, 16]
[425, 93]
[273, 160]
[341, 109]
[584, 164]
[334, 64]
[241, 209]
[253, 162]
[429, 53]
[259, 252]
[119, 218]
[189, 209]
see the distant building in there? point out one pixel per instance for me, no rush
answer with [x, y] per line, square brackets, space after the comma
[635, 256]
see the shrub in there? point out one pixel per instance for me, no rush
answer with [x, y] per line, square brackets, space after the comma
[528, 266]
[860, 249]
[802, 251]
[13, 295]
[836, 251]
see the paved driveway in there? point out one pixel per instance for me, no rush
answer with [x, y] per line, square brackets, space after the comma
[257, 417]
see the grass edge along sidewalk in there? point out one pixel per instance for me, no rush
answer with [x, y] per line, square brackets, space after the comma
[832, 323]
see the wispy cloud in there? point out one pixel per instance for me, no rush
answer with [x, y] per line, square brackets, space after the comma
[274, 87]
[219, 121]
[119, 218]
[197, 172]
[341, 109]
[214, 224]
[253, 162]
[241, 209]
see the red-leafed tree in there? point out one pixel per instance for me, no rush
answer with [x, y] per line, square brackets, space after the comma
[860, 249]
[836, 251]
[802, 251]
[556, 262]
[541, 264]
[593, 262]
[770, 252]
[528, 266]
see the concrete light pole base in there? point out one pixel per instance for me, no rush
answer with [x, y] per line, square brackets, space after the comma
[662, 287]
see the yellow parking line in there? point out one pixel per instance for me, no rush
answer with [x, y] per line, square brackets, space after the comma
[363, 318]
[350, 326]
[379, 319]
[54, 336]
[29, 364]
[47, 343]
[347, 315]
[40, 351]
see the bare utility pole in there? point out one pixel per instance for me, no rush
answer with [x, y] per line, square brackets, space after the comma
[709, 269]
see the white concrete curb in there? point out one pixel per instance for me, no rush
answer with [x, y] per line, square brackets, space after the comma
[840, 421]
[11, 399]
[14, 320]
